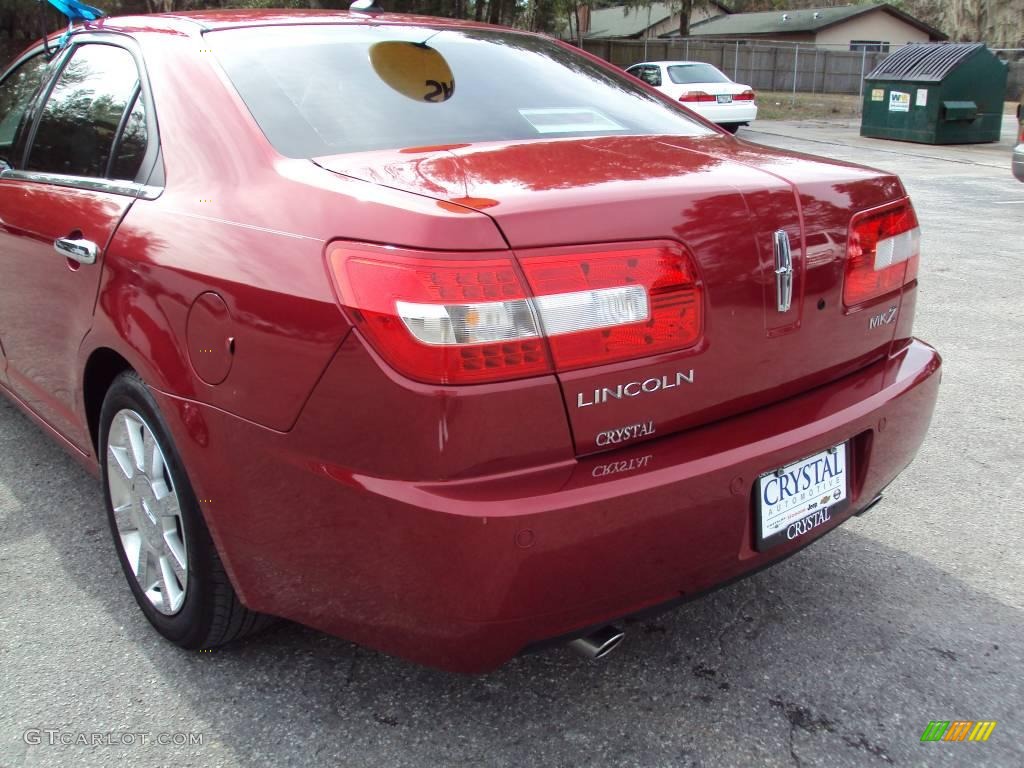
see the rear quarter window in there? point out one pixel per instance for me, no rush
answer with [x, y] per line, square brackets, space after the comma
[130, 149]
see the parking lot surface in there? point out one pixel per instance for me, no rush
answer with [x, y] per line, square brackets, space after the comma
[839, 656]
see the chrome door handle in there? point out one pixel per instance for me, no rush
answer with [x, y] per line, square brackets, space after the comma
[783, 272]
[82, 251]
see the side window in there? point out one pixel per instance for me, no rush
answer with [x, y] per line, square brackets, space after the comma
[131, 148]
[650, 75]
[75, 134]
[16, 92]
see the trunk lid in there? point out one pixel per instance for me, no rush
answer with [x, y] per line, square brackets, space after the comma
[722, 199]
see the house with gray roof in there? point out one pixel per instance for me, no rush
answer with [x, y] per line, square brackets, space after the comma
[872, 27]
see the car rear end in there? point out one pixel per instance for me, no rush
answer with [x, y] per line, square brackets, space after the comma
[689, 358]
[708, 92]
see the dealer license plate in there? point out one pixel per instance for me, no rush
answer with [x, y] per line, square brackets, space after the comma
[800, 497]
[725, 98]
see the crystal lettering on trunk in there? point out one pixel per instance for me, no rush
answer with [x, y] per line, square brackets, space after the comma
[622, 434]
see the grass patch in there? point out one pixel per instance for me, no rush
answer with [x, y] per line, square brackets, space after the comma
[780, 105]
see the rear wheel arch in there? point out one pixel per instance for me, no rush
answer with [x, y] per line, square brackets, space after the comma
[204, 610]
[101, 369]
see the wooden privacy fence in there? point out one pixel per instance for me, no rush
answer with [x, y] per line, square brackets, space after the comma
[790, 67]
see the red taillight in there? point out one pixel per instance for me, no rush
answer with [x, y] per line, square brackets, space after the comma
[697, 96]
[883, 251]
[467, 318]
[461, 320]
[663, 277]
[747, 95]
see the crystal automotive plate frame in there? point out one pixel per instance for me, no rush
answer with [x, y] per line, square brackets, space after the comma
[801, 496]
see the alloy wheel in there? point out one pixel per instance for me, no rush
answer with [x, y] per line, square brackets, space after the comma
[147, 512]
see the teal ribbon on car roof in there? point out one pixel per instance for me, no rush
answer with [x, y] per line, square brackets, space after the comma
[74, 11]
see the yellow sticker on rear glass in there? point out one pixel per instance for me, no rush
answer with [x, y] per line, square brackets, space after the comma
[414, 70]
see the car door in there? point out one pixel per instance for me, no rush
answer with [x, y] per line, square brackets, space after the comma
[18, 88]
[75, 170]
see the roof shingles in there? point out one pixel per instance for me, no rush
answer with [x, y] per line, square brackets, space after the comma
[798, 21]
[619, 21]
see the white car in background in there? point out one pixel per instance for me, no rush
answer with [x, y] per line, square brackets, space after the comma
[703, 88]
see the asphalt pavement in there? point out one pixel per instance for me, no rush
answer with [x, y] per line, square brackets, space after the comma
[839, 656]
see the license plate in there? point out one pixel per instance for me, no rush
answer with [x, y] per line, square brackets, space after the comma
[725, 98]
[800, 497]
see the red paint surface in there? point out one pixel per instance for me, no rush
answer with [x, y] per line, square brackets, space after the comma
[210, 336]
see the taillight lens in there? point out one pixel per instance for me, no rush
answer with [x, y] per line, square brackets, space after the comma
[697, 96]
[883, 252]
[625, 302]
[441, 320]
[746, 95]
[465, 318]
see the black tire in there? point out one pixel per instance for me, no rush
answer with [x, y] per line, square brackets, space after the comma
[731, 127]
[211, 613]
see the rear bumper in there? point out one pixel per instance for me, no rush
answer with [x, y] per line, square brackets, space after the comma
[463, 575]
[737, 112]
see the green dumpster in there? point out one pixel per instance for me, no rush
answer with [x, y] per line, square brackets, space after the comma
[936, 93]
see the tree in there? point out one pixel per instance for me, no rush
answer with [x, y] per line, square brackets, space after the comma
[999, 22]
[685, 14]
[541, 15]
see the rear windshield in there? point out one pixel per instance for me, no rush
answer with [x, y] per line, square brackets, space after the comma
[314, 90]
[695, 73]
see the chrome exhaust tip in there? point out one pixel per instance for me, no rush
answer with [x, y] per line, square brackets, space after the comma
[869, 505]
[599, 644]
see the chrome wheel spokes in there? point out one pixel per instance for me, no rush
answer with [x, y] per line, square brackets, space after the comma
[147, 512]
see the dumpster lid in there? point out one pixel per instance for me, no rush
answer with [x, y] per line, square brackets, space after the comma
[924, 62]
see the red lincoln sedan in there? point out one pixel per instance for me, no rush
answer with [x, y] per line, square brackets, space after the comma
[445, 338]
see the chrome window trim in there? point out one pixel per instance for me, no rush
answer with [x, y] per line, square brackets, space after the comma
[111, 186]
